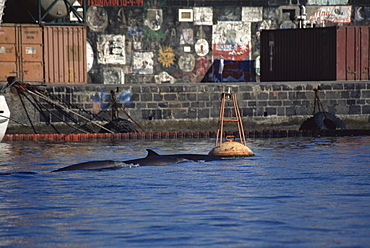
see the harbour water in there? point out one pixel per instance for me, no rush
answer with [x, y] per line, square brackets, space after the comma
[301, 192]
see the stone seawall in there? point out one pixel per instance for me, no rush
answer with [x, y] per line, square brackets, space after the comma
[196, 106]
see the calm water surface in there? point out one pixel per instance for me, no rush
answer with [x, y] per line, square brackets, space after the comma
[302, 192]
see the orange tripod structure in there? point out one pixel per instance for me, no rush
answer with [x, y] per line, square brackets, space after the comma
[222, 119]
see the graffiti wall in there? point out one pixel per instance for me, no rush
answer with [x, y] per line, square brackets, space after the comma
[150, 41]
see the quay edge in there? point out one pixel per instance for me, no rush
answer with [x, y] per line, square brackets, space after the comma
[195, 107]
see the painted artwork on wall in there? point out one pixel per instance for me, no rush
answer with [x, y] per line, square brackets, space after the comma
[187, 36]
[164, 77]
[185, 15]
[231, 40]
[362, 13]
[111, 49]
[113, 75]
[166, 56]
[96, 18]
[101, 100]
[201, 64]
[332, 14]
[154, 19]
[187, 62]
[326, 2]
[203, 16]
[252, 14]
[89, 56]
[229, 14]
[143, 62]
[201, 47]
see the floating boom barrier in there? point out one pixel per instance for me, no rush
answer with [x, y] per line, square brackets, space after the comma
[257, 134]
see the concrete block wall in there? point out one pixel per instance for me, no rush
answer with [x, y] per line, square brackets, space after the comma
[261, 104]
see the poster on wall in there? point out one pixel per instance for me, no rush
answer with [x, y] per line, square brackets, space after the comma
[113, 75]
[229, 14]
[89, 56]
[201, 47]
[362, 13]
[96, 18]
[332, 14]
[231, 40]
[187, 62]
[187, 36]
[252, 14]
[203, 16]
[185, 15]
[143, 62]
[154, 19]
[111, 49]
[325, 2]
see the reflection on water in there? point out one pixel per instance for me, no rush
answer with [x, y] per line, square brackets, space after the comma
[304, 192]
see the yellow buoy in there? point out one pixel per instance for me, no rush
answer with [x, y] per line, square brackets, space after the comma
[231, 149]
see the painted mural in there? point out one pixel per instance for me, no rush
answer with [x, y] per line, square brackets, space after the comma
[203, 16]
[113, 75]
[332, 14]
[102, 100]
[111, 49]
[151, 42]
[143, 62]
[166, 56]
[362, 13]
[231, 40]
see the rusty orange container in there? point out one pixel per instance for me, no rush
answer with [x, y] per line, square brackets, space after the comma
[65, 55]
[48, 54]
[21, 52]
[31, 53]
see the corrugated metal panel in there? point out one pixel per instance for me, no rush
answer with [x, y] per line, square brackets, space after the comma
[298, 54]
[31, 53]
[8, 58]
[21, 52]
[353, 53]
[334, 53]
[65, 54]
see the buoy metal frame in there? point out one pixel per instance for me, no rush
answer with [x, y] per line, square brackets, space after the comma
[230, 148]
[237, 119]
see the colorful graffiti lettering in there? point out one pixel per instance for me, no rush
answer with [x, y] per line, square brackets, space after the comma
[333, 14]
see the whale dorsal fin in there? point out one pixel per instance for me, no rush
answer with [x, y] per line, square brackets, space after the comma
[151, 153]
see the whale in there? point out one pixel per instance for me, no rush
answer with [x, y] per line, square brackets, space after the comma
[152, 159]
[191, 157]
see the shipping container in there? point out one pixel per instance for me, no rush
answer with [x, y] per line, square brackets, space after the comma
[47, 54]
[315, 54]
[21, 52]
[65, 54]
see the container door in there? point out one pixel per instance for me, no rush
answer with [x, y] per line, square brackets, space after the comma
[65, 54]
[364, 53]
[353, 53]
[8, 52]
[31, 50]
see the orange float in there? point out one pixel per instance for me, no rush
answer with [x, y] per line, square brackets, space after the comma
[231, 148]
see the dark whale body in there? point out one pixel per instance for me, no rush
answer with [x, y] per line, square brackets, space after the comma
[152, 159]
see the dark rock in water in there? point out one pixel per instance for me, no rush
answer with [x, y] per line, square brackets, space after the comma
[119, 126]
